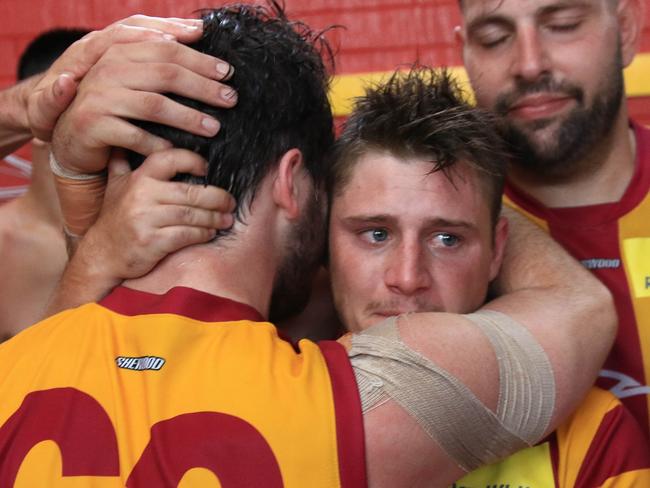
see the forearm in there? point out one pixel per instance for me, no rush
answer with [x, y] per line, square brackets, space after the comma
[568, 311]
[144, 218]
[84, 279]
[14, 126]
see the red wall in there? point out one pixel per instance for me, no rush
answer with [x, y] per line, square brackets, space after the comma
[380, 34]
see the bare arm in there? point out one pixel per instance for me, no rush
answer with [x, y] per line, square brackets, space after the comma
[15, 125]
[128, 81]
[144, 218]
[32, 107]
[566, 310]
[569, 311]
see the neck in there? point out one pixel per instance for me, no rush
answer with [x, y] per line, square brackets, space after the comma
[607, 171]
[231, 268]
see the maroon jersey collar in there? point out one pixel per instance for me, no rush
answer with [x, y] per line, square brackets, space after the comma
[594, 215]
[179, 300]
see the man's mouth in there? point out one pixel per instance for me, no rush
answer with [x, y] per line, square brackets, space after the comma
[401, 310]
[539, 106]
[389, 313]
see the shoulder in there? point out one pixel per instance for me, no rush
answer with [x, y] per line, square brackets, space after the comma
[600, 410]
[63, 326]
[600, 441]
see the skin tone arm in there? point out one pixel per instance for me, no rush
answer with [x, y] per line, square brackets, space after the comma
[32, 107]
[15, 127]
[569, 312]
[114, 90]
[128, 82]
[144, 218]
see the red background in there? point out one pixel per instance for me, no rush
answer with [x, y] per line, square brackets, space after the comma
[380, 34]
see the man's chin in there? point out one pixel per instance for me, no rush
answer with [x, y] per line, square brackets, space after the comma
[536, 142]
[537, 131]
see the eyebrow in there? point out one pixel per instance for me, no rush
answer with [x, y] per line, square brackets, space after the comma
[566, 5]
[387, 219]
[505, 21]
[489, 19]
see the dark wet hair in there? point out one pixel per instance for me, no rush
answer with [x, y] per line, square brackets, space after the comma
[281, 82]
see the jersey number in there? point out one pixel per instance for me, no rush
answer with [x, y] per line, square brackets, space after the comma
[226, 445]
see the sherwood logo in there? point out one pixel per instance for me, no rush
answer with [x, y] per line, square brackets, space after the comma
[143, 363]
[600, 263]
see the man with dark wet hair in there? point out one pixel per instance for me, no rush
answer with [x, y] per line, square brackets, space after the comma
[31, 237]
[203, 380]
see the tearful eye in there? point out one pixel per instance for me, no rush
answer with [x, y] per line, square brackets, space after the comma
[379, 235]
[374, 236]
[446, 240]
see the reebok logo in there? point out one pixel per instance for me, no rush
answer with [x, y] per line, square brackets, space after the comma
[143, 363]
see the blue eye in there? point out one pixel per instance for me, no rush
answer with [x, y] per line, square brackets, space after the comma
[379, 235]
[446, 240]
[374, 236]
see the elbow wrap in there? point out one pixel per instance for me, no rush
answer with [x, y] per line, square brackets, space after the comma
[447, 410]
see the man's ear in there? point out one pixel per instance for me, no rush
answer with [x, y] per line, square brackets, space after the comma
[460, 40]
[459, 36]
[630, 15]
[288, 183]
[500, 238]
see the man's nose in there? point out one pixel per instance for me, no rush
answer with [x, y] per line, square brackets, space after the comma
[530, 59]
[407, 272]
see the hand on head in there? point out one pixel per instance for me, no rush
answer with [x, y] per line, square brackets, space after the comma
[119, 73]
[145, 217]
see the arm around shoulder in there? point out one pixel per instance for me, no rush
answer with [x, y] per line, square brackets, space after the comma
[566, 309]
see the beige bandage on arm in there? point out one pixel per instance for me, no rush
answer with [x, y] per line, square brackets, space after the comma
[444, 407]
[80, 196]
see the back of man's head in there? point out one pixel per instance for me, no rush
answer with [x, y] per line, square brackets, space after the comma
[44, 49]
[423, 114]
[281, 82]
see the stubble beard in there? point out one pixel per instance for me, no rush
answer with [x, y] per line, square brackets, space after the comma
[292, 287]
[568, 150]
